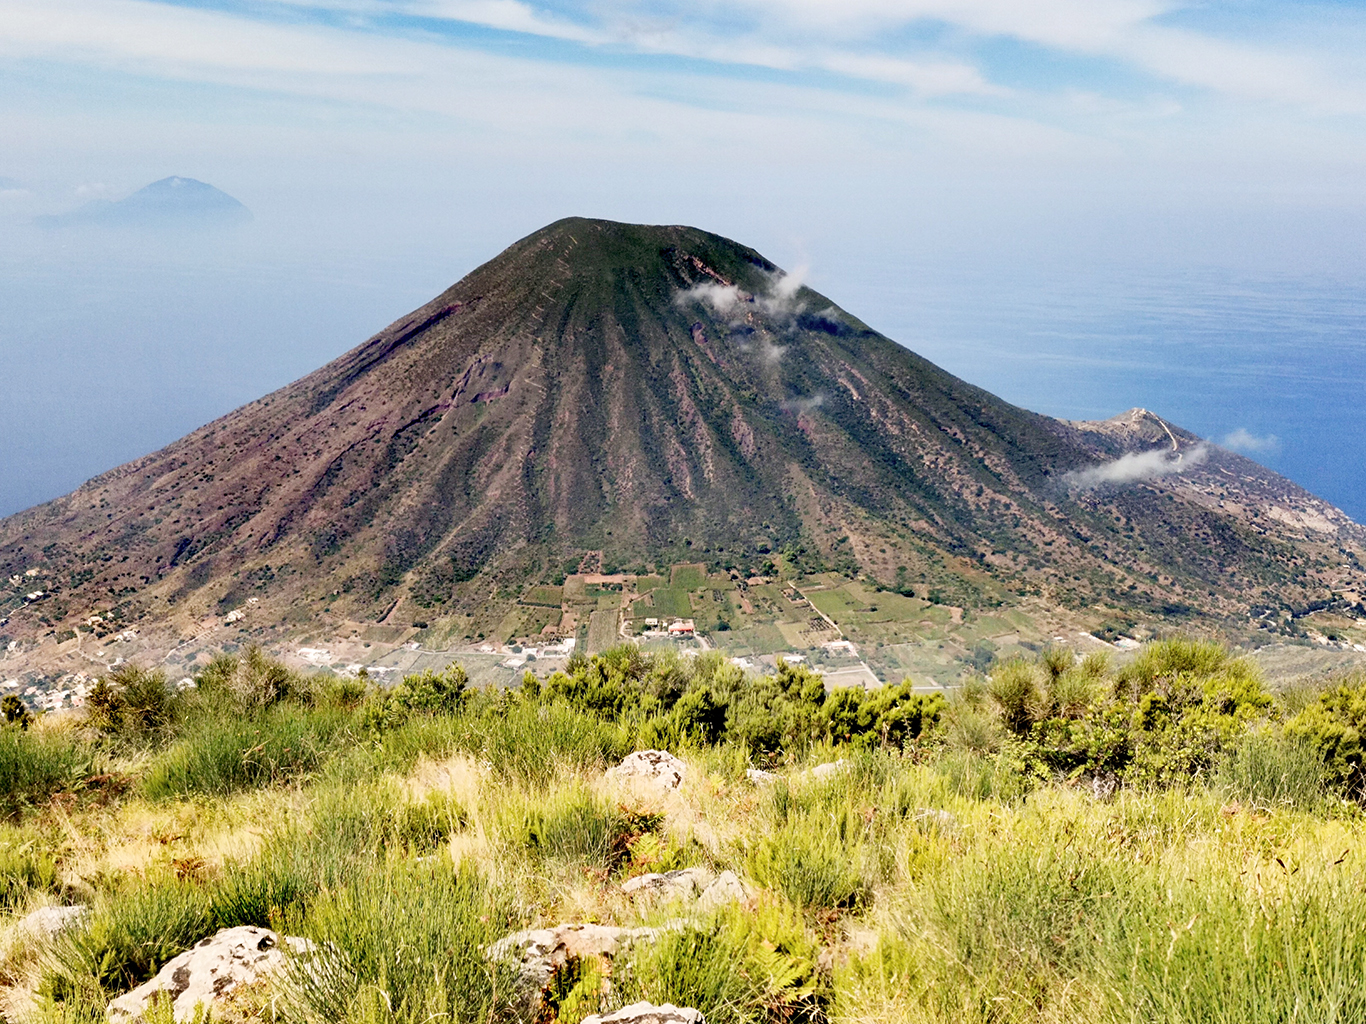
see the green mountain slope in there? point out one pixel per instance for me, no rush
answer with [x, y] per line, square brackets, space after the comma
[622, 396]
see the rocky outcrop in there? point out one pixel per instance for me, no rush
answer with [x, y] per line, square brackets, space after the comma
[671, 885]
[46, 923]
[658, 767]
[648, 1013]
[686, 885]
[541, 952]
[725, 888]
[210, 971]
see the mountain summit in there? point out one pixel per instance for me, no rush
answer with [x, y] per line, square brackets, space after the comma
[619, 396]
[170, 202]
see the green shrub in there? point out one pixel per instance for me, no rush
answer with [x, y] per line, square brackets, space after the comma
[250, 682]
[131, 700]
[1333, 725]
[426, 693]
[778, 713]
[889, 716]
[15, 712]
[1169, 660]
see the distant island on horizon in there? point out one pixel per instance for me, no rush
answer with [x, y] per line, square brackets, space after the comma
[169, 203]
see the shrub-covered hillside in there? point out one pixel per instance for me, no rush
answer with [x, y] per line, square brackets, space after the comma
[1059, 841]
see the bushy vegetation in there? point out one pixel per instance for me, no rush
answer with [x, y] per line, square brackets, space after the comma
[1061, 839]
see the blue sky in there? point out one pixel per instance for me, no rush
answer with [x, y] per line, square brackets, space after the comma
[1268, 96]
[968, 156]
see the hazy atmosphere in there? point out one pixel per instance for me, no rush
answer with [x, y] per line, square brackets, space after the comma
[644, 512]
[1082, 207]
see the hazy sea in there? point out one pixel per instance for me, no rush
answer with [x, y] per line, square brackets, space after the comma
[1281, 358]
[109, 349]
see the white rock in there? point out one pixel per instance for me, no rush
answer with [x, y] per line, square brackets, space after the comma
[656, 766]
[825, 771]
[648, 1013]
[725, 888]
[759, 777]
[671, 885]
[542, 951]
[49, 922]
[210, 970]
[933, 818]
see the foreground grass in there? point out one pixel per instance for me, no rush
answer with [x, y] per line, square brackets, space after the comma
[944, 880]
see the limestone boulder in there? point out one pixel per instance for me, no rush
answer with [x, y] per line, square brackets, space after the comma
[827, 771]
[648, 1013]
[46, 923]
[688, 885]
[539, 953]
[671, 885]
[724, 888]
[656, 767]
[209, 972]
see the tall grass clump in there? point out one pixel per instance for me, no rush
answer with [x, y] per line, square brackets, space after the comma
[1268, 769]
[219, 755]
[740, 965]
[376, 818]
[134, 928]
[23, 870]
[250, 682]
[35, 763]
[264, 890]
[1012, 929]
[1001, 776]
[404, 942]
[537, 742]
[1284, 944]
[816, 848]
[574, 824]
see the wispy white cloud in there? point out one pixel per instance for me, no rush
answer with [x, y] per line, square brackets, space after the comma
[848, 39]
[858, 85]
[1130, 32]
[1243, 440]
[681, 32]
[778, 299]
[507, 15]
[1138, 467]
